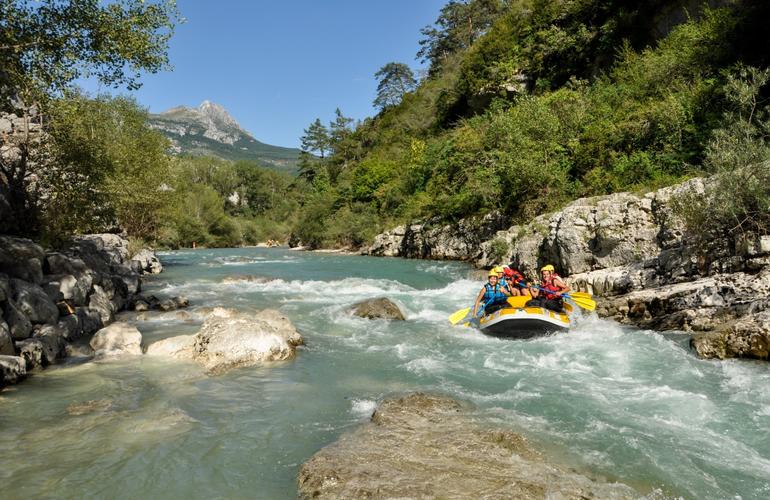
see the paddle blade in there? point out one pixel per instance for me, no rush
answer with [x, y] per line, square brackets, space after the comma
[458, 316]
[580, 295]
[587, 304]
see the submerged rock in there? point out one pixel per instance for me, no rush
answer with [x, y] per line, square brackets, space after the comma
[180, 347]
[425, 446]
[380, 308]
[118, 339]
[241, 278]
[95, 405]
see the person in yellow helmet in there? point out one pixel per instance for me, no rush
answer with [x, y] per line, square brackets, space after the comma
[548, 294]
[494, 295]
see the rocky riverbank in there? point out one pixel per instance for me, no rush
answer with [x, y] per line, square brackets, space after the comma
[52, 301]
[633, 252]
[427, 446]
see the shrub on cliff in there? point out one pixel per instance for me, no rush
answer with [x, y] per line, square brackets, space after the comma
[738, 200]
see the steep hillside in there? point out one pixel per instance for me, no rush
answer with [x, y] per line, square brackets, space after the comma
[209, 130]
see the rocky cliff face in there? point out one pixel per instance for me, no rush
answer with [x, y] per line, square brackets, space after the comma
[631, 250]
[49, 300]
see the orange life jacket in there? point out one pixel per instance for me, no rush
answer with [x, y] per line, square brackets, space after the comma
[550, 286]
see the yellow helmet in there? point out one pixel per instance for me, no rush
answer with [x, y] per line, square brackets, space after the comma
[498, 269]
[549, 267]
[492, 272]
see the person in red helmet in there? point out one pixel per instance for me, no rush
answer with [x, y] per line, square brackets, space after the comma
[515, 280]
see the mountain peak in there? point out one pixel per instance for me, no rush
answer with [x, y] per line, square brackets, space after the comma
[219, 115]
[209, 129]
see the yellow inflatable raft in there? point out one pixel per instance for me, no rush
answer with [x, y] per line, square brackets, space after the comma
[518, 321]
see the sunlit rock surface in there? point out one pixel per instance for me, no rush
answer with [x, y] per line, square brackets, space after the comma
[118, 339]
[425, 446]
[231, 339]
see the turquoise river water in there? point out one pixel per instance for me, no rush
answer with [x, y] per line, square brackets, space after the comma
[623, 404]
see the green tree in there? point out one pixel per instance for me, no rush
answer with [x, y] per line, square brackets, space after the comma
[45, 46]
[458, 25]
[394, 80]
[316, 138]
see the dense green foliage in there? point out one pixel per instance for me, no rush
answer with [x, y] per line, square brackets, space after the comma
[68, 153]
[552, 101]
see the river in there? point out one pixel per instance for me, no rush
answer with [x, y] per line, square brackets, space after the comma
[620, 403]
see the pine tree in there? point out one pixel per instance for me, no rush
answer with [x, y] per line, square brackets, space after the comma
[316, 138]
[395, 80]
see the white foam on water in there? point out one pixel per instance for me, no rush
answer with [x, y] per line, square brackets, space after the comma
[362, 408]
[423, 366]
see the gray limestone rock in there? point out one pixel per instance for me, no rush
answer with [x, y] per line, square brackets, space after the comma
[99, 302]
[32, 350]
[425, 446]
[21, 258]
[32, 300]
[17, 321]
[147, 262]
[59, 264]
[6, 341]
[117, 339]
[12, 369]
[180, 347]
[380, 308]
[69, 288]
[89, 320]
[230, 339]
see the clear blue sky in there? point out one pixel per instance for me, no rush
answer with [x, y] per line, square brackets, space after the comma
[277, 65]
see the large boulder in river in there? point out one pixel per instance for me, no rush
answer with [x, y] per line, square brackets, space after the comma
[118, 339]
[235, 339]
[380, 308]
[424, 446]
[229, 339]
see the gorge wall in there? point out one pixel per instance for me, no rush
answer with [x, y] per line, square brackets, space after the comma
[633, 252]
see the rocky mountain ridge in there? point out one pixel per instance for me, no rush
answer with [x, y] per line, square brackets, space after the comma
[210, 130]
[634, 253]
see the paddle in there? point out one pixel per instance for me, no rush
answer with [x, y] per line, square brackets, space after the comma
[458, 316]
[582, 299]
